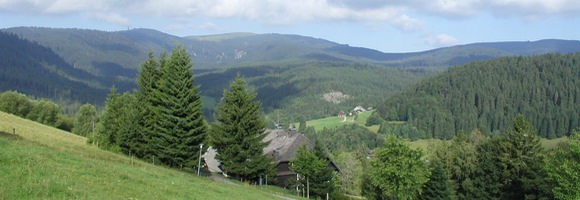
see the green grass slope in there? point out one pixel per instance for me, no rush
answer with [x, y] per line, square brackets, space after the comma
[333, 122]
[42, 162]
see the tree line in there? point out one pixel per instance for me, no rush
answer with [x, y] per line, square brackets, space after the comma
[42, 110]
[485, 95]
[512, 165]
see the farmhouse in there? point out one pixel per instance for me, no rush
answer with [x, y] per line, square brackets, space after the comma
[284, 145]
[341, 114]
[359, 109]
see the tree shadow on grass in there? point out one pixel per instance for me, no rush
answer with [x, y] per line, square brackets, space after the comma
[7, 135]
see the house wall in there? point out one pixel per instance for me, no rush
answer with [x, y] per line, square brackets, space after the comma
[284, 174]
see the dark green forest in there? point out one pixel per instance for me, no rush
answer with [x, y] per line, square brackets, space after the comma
[37, 71]
[296, 92]
[487, 94]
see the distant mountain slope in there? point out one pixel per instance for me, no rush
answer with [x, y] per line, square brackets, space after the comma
[113, 58]
[488, 95]
[32, 69]
[120, 53]
[298, 91]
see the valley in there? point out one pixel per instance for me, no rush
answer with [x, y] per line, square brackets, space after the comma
[482, 120]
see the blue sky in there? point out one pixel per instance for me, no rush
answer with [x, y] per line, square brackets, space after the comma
[385, 25]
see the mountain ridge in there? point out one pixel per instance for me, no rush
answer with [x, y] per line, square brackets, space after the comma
[284, 61]
[242, 49]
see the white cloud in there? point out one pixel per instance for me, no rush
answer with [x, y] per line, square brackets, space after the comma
[516, 8]
[52, 7]
[207, 26]
[397, 13]
[277, 12]
[112, 18]
[442, 40]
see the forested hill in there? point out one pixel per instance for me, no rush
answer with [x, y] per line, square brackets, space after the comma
[293, 71]
[488, 95]
[33, 69]
[119, 53]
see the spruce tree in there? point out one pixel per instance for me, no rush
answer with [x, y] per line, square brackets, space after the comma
[128, 135]
[439, 186]
[510, 166]
[238, 133]
[179, 127]
[107, 128]
[323, 180]
[522, 156]
[148, 81]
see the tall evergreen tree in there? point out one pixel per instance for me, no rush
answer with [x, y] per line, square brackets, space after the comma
[128, 135]
[510, 166]
[522, 154]
[179, 127]
[238, 133]
[324, 182]
[439, 185]
[148, 81]
[488, 178]
[108, 127]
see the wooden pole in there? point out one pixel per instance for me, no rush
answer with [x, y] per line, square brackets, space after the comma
[14, 131]
[307, 188]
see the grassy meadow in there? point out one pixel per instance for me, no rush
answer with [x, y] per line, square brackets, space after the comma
[424, 144]
[42, 162]
[333, 122]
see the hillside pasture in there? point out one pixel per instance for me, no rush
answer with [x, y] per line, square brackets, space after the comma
[41, 162]
[335, 121]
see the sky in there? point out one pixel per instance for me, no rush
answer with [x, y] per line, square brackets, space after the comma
[385, 25]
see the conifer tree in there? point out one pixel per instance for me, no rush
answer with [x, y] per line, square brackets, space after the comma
[128, 135]
[238, 133]
[179, 127]
[107, 128]
[439, 186]
[522, 156]
[323, 180]
[510, 166]
[148, 81]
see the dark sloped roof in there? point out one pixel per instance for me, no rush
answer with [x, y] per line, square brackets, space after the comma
[284, 144]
